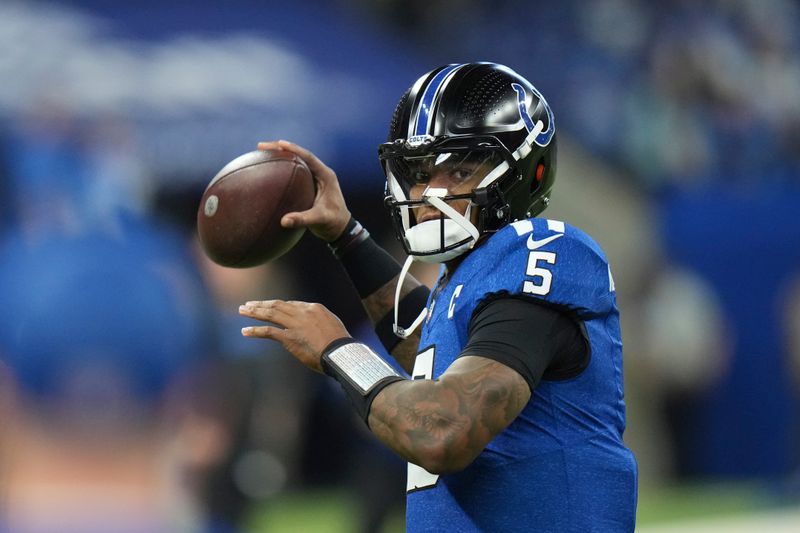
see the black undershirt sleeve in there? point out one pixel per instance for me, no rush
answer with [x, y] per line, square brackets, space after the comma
[535, 339]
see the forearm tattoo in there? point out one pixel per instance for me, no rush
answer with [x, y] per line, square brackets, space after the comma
[381, 302]
[447, 423]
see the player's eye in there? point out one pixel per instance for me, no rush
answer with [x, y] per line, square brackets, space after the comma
[462, 174]
[459, 174]
[420, 177]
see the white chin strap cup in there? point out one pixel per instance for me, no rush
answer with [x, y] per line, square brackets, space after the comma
[427, 238]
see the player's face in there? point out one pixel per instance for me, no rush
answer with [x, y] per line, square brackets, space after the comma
[459, 173]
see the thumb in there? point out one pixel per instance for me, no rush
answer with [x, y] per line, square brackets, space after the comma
[297, 219]
[292, 220]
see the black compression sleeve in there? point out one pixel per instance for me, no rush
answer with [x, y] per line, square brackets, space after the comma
[534, 339]
[369, 266]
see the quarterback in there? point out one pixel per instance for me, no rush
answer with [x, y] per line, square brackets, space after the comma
[511, 410]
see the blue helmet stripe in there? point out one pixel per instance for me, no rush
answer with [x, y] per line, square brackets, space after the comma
[423, 119]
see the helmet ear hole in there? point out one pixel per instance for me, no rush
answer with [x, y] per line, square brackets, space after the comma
[539, 172]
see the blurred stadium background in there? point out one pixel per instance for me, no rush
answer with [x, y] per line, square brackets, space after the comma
[679, 151]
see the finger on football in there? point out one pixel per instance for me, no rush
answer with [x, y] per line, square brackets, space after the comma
[294, 220]
[314, 163]
[269, 145]
[305, 218]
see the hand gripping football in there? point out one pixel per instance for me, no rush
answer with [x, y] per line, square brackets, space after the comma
[239, 217]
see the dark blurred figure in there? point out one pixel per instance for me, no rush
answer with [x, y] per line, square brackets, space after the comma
[107, 422]
[791, 318]
[686, 349]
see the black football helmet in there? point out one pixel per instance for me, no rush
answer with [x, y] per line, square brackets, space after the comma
[473, 115]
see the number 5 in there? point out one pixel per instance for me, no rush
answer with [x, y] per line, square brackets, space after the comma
[418, 477]
[535, 271]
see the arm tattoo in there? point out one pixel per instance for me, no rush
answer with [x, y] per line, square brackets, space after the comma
[381, 302]
[445, 424]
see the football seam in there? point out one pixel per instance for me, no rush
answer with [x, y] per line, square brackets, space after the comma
[294, 159]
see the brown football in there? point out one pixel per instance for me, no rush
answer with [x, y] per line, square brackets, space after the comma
[239, 218]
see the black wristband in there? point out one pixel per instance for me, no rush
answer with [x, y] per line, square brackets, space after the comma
[353, 234]
[361, 372]
[369, 266]
[409, 308]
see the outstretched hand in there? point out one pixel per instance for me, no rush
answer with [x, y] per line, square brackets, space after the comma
[304, 329]
[329, 215]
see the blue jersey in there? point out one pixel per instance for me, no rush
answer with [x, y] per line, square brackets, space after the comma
[561, 465]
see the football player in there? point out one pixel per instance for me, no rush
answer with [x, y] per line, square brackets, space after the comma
[512, 415]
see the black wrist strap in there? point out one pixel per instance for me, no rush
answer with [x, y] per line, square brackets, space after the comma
[353, 234]
[361, 372]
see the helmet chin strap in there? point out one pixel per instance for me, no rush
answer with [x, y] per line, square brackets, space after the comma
[434, 197]
[400, 331]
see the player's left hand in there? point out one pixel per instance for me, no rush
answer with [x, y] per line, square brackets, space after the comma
[304, 329]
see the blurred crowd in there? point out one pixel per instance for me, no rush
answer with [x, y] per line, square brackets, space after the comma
[674, 93]
[129, 397]
[131, 402]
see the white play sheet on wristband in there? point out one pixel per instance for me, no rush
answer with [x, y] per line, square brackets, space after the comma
[363, 366]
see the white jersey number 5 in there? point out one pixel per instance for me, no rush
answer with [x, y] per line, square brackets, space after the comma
[540, 286]
[418, 477]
